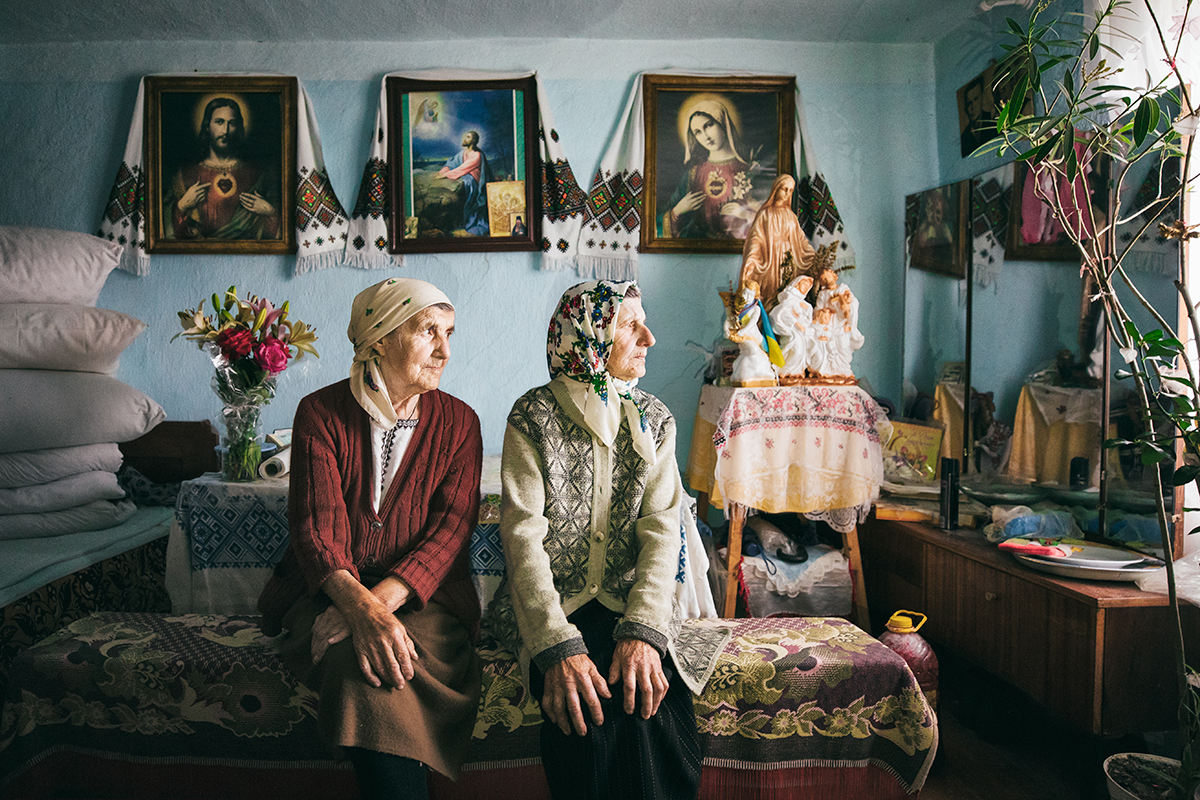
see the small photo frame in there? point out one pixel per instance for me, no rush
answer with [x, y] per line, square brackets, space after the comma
[464, 164]
[714, 146]
[937, 228]
[1034, 233]
[979, 103]
[220, 164]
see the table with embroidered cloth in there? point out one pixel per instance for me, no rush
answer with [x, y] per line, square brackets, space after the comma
[146, 705]
[226, 539]
[811, 450]
[1055, 424]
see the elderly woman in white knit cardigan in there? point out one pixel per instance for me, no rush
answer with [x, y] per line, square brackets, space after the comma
[590, 521]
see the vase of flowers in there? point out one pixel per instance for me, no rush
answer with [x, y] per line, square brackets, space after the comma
[250, 342]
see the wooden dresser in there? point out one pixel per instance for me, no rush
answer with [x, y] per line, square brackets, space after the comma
[1095, 653]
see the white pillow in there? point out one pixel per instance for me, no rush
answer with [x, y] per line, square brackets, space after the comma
[61, 494]
[40, 409]
[40, 265]
[44, 466]
[90, 517]
[75, 338]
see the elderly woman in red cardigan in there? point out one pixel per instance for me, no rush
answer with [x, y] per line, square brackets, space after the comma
[380, 611]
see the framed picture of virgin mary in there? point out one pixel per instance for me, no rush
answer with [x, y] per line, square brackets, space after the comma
[714, 146]
[220, 164]
[465, 165]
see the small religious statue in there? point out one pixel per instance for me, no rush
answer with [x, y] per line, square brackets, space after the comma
[744, 312]
[792, 319]
[836, 318]
[775, 238]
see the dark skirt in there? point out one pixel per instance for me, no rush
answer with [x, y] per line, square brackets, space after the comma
[626, 757]
[430, 720]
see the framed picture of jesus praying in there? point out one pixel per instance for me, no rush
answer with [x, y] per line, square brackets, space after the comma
[465, 156]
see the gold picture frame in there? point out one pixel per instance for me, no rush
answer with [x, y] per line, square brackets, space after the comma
[714, 146]
[220, 164]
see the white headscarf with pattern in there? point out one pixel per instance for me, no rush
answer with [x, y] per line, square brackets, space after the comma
[377, 311]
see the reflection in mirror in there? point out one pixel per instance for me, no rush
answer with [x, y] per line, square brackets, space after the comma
[1036, 409]
[935, 329]
[1153, 264]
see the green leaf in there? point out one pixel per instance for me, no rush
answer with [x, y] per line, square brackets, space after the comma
[1141, 120]
[1069, 83]
[1184, 475]
[1152, 454]
[1093, 45]
[1072, 159]
[1131, 329]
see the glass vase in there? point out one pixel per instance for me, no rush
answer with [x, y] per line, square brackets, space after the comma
[241, 451]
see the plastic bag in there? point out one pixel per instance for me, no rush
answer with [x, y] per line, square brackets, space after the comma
[1187, 579]
[1008, 522]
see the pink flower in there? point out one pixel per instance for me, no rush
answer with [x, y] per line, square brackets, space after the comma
[235, 342]
[272, 355]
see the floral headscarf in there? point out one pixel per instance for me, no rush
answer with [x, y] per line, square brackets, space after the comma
[578, 345]
[377, 311]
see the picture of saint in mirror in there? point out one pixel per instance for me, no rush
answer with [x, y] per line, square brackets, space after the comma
[937, 223]
[1034, 232]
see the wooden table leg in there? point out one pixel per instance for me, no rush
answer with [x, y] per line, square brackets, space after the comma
[854, 555]
[733, 559]
[702, 506]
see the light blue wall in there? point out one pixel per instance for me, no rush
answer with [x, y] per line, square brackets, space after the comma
[67, 109]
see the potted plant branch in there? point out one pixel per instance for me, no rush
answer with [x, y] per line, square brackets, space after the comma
[1089, 108]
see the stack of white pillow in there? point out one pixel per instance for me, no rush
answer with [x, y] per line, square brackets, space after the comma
[62, 413]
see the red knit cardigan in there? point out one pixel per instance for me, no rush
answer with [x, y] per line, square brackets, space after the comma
[423, 529]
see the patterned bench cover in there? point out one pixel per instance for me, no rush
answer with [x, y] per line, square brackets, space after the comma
[150, 688]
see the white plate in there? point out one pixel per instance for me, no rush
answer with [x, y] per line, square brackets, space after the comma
[1086, 573]
[1089, 555]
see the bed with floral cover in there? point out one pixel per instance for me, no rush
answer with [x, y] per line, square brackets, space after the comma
[130, 704]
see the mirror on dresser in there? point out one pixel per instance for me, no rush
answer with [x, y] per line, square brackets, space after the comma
[1032, 344]
[936, 315]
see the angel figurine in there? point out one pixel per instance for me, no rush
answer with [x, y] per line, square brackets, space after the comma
[792, 319]
[838, 305]
[744, 312]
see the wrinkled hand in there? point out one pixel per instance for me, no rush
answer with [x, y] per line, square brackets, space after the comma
[256, 204]
[328, 629]
[382, 646]
[385, 651]
[194, 196]
[637, 666]
[571, 684]
[689, 203]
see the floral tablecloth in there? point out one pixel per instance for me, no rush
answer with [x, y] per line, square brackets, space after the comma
[155, 689]
[813, 450]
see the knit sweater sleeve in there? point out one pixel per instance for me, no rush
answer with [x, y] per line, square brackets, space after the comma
[453, 513]
[523, 527]
[317, 515]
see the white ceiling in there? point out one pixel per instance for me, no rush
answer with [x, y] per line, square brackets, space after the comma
[26, 21]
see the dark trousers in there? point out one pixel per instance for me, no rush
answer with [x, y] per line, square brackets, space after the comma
[626, 757]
